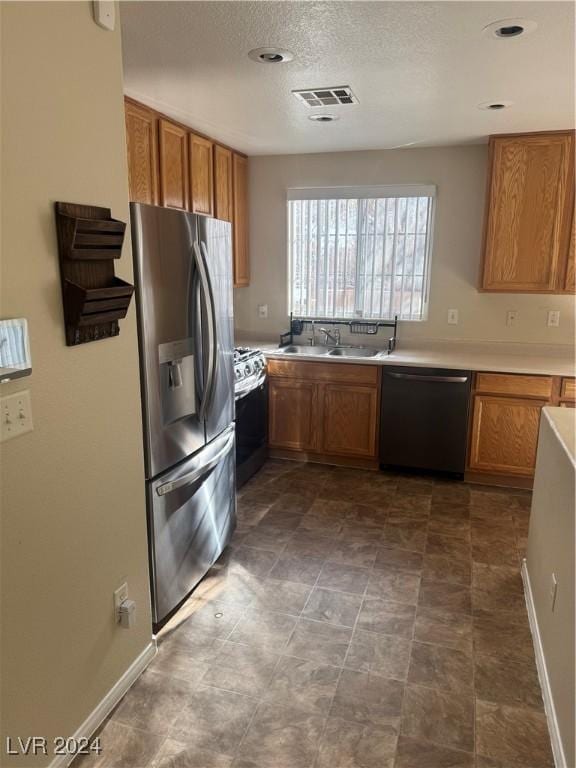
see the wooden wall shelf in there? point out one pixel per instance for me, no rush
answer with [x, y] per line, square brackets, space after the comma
[94, 299]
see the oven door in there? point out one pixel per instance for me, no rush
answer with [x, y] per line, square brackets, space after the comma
[251, 431]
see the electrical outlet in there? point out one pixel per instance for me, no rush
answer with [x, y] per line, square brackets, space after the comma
[120, 596]
[511, 318]
[16, 415]
[262, 310]
[553, 320]
[553, 591]
[452, 317]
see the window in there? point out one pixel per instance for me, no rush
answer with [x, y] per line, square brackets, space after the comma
[361, 253]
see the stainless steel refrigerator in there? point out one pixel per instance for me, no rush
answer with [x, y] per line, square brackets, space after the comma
[183, 267]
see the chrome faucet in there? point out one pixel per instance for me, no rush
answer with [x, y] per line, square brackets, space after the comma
[333, 335]
[312, 339]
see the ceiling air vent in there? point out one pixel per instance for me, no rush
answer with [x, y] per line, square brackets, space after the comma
[326, 97]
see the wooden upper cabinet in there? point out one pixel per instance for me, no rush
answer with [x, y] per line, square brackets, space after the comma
[293, 414]
[504, 435]
[570, 273]
[142, 147]
[173, 150]
[349, 420]
[240, 222]
[223, 194]
[201, 175]
[530, 192]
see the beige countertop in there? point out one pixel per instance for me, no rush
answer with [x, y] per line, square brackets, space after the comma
[500, 358]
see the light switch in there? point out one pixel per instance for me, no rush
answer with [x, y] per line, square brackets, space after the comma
[16, 415]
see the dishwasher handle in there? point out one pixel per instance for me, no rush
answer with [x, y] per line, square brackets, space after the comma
[418, 377]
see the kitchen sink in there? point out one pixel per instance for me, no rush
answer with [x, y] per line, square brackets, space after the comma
[353, 352]
[304, 349]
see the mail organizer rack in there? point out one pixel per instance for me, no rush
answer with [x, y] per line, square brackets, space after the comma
[94, 299]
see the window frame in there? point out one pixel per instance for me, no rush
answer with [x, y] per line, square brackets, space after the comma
[367, 192]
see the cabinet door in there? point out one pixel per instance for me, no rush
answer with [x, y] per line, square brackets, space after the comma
[505, 435]
[349, 420]
[293, 414]
[201, 175]
[241, 263]
[223, 183]
[525, 237]
[142, 147]
[173, 143]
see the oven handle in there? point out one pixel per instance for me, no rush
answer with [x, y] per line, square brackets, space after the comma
[191, 477]
[240, 394]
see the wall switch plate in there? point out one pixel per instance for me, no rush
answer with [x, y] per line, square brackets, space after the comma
[452, 317]
[511, 318]
[120, 596]
[553, 320]
[553, 592]
[262, 310]
[15, 415]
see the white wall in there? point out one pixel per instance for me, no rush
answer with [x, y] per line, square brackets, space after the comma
[72, 491]
[460, 174]
[551, 551]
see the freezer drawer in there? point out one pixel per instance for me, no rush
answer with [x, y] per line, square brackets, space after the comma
[424, 418]
[192, 516]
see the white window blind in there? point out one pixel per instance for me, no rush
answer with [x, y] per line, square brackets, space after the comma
[360, 253]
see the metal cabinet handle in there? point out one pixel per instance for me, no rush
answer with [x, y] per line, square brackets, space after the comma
[191, 477]
[416, 377]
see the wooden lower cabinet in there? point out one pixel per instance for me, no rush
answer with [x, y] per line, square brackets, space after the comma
[504, 435]
[350, 415]
[505, 422]
[292, 414]
[330, 410]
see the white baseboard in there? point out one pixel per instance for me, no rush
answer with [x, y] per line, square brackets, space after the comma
[103, 709]
[557, 748]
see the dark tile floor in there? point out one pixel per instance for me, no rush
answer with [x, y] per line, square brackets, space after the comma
[359, 620]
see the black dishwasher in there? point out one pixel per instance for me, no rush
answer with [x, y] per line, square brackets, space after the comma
[424, 418]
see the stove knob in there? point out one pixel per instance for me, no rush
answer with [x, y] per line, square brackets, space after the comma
[247, 369]
[238, 373]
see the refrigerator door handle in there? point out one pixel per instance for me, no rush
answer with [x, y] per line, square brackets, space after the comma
[209, 299]
[192, 477]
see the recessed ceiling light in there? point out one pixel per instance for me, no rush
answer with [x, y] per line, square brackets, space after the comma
[270, 55]
[495, 106]
[507, 28]
[325, 118]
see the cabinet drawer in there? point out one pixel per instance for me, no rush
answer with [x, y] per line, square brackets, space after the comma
[568, 389]
[332, 372]
[514, 384]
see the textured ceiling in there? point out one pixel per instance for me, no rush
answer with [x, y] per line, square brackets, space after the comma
[419, 70]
